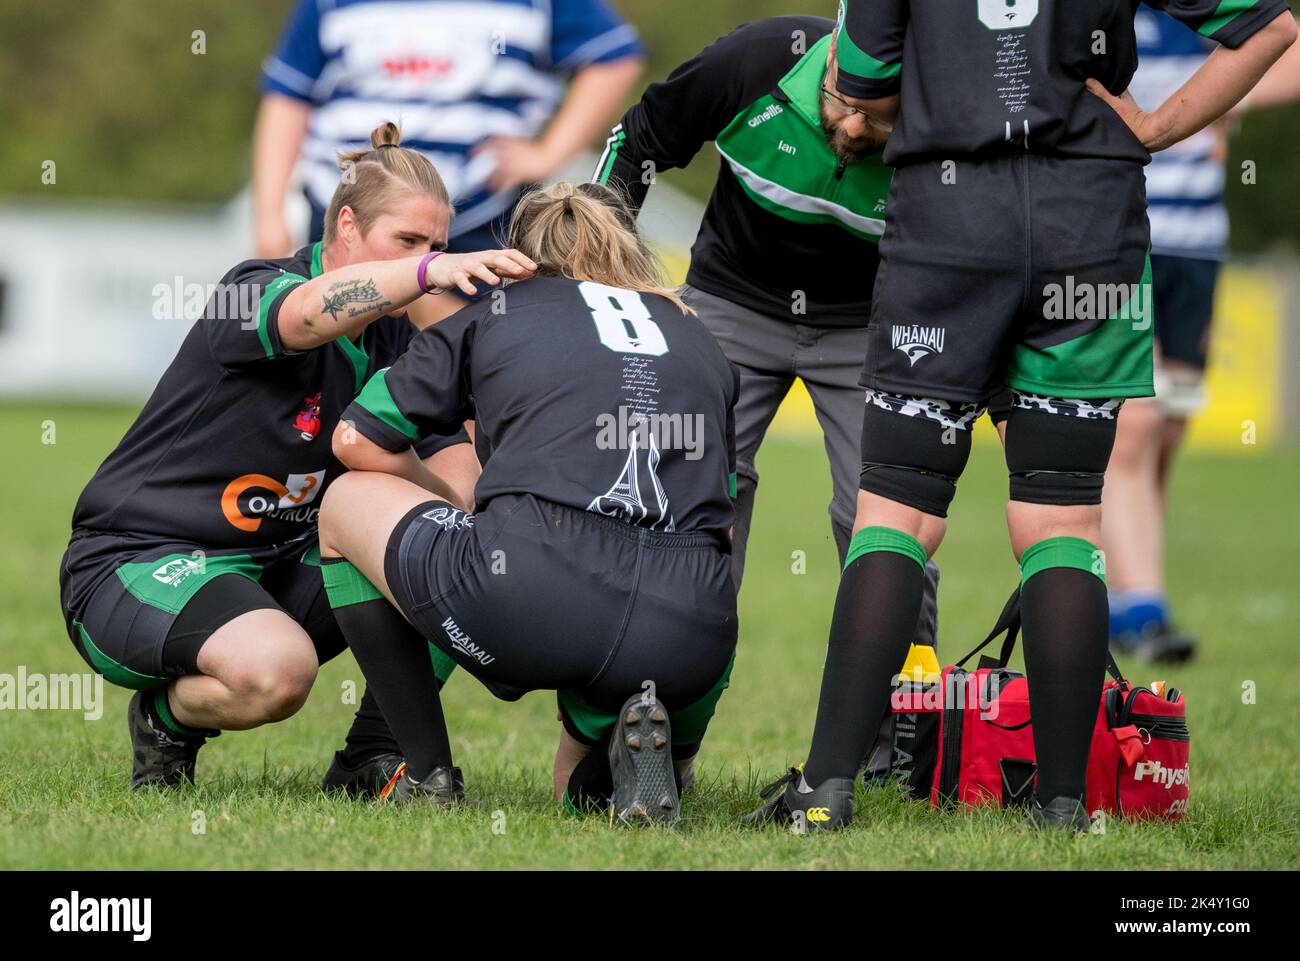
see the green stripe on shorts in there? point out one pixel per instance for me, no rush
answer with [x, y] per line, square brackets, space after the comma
[113, 672]
[169, 582]
[1113, 360]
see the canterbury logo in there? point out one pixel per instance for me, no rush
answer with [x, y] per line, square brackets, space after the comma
[917, 342]
[817, 815]
[297, 491]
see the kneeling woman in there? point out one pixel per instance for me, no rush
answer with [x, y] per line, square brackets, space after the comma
[598, 564]
[189, 576]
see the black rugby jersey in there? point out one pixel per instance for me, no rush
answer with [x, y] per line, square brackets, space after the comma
[233, 448]
[589, 396]
[790, 230]
[980, 76]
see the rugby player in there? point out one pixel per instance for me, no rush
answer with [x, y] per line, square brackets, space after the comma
[597, 564]
[498, 94]
[192, 575]
[1012, 183]
[1189, 241]
[782, 267]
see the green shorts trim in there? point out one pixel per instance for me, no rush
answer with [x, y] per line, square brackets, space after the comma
[113, 672]
[168, 582]
[1115, 360]
[688, 725]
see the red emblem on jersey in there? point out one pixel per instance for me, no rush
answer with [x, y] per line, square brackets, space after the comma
[307, 423]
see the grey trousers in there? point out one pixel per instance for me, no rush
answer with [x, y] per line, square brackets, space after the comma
[770, 352]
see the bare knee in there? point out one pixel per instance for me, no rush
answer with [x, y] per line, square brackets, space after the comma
[333, 506]
[275, 687]
[877, 511]
[1137, 435]
[1031, 523]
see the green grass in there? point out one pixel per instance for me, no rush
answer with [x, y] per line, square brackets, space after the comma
[64, 802]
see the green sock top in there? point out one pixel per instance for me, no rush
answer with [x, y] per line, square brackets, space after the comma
[871, 539]
[1063, 552]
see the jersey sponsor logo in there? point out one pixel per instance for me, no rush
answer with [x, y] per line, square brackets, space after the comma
[916, 342]
[818, 815]
[307, 423]
[773, 110]
[288, 503]
[461, 641]
[1169, 777]
[176, 571]
[416, 67]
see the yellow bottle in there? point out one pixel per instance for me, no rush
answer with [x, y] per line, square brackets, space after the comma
[921, 665]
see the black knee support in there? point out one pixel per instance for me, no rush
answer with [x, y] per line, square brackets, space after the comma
[1057, 450]
[914, 449]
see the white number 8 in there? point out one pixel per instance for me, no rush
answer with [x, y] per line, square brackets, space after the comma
[623, 320]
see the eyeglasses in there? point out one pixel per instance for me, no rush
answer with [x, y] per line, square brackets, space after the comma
[847, 109]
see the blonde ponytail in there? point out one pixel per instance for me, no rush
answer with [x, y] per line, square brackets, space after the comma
[587, 232]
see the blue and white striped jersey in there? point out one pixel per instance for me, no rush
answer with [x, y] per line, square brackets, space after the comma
[451, 73]
[1185, 182]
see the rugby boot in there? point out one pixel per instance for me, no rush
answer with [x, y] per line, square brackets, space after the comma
[641, 762]
[364, 780]
[789, 800]
[442, 785]
[1165, 644]
[159, 759]
[1062, 813]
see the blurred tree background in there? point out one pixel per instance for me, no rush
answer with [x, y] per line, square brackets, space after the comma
[112, 92]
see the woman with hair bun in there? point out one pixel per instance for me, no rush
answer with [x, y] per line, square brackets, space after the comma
[192, 574]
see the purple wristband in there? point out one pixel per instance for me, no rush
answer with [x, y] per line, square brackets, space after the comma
[424, 265]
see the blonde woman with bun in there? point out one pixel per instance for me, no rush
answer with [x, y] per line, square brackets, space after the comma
[598, 561]
[192, 575]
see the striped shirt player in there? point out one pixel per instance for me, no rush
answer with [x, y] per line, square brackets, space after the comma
[451, 73]
[1189, 223]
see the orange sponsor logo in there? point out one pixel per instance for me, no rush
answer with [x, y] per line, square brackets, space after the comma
[299, 489]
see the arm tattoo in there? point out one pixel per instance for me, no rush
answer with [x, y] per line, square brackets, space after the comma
[351, 292]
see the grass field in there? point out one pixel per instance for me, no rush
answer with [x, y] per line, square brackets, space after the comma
[64, 801]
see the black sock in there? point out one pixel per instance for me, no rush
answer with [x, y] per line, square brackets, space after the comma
[395, 661]
[369, 736]
[1066, 632]
[592, 782]
[876, 611]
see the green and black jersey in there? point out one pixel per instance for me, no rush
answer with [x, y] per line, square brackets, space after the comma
[233, 449]
[789, 230]
[588, 396]
[984, 76]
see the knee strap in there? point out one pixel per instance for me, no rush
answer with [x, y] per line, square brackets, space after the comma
[914, 449]
[1057, 450]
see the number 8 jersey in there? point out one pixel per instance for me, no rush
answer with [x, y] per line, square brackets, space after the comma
[586, 395]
